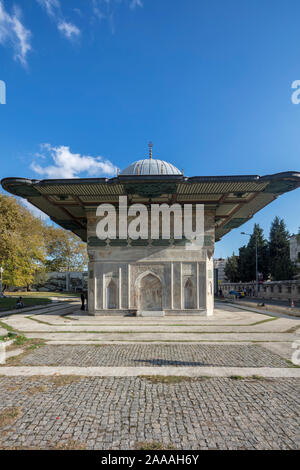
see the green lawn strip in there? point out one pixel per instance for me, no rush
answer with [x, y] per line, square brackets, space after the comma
[293, 329]
[291, 364]
[66, 317]
[22, 340]
[7, 327]
[251, 378]
[28, 345]
[40, 321]
[14, 334]
[264, 321]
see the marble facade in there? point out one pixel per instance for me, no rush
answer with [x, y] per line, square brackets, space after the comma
[142, 276]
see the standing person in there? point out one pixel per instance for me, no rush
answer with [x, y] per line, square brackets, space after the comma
[86, 304]
[82, 297]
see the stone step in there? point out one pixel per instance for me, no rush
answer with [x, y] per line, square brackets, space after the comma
[271, 372]
[160, 337]
[150, 313]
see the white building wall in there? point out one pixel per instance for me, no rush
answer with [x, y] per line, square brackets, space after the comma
[295, 249]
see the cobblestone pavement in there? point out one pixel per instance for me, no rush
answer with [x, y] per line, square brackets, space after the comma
[233, 355]
[117, 413]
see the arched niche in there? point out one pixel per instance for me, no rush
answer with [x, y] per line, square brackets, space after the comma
[149, 292]
[189, 295]
[111, 295]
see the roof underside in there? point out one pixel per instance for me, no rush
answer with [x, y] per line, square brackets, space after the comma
[235, 199]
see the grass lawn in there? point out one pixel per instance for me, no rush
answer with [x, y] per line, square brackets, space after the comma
[32, 298]
[41, 295]
[10, 302]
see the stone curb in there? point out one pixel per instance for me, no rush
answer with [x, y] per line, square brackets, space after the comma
[104, 343]
[269, 372]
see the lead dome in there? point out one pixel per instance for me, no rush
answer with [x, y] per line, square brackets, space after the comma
[150, 167]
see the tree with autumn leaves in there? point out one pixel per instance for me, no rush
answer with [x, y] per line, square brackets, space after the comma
[29, 247]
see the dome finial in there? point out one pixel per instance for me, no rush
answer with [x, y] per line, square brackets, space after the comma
[150, 150]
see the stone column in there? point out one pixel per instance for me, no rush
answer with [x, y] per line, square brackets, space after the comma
[198, 296]
[128, 280]
[181, 289]
[172, 286]
[91, 288]
[120, 288]
[103, 292]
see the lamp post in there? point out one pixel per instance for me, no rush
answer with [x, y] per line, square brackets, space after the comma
[256, 259]
[1, 271]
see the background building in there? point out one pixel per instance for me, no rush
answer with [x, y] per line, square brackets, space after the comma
[295, 249]
[220, 264]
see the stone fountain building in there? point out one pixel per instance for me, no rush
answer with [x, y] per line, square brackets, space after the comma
[152, 277]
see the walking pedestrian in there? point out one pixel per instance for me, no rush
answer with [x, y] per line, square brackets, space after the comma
[82, 297]
[86, 303]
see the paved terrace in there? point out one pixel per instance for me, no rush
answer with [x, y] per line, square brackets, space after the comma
[223, 382]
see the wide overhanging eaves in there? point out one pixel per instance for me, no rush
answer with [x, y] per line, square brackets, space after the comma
[234, 199]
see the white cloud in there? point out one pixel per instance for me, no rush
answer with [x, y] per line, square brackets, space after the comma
[97, 9]
[136, 3]
[16, 35]
[71, 165]
[105, 9]
[13, 32]
[53, 8]
[102, 10]
[68, 29]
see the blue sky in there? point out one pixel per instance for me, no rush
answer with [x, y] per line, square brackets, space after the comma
[90, 82]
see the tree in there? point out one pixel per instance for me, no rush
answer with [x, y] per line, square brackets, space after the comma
[247, 256]
[231, 268]
[10, 217]
[243, 267]
[29, 247]
[281, 266]
[65, 251]
[22, 249]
